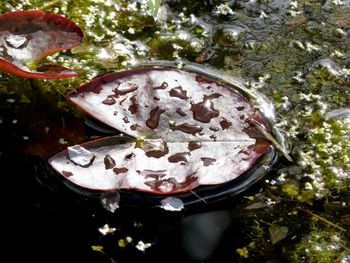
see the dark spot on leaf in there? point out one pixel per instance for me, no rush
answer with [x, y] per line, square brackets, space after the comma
[120, 170]
[164, 85]
[208, 161]
[97, 89]
[134, 127]
[109, 162]
[225, 124]
[126, 120]
[154, 116]
[129, 156]
[194, 145]
[109, 101]
[180, 112]
[179, 157]
[157, 153]
[125, 90]
[179, 93]
[187, 128]
[204, 111]
[67, 174]
[134, 106]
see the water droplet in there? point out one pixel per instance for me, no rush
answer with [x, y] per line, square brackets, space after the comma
[109, 101]
[172, 204]
[67, 174]
[134, 127]
[194, 145]
[154, 116]
[134, 105]
[181, 112]
[120, 170]
[187, 128]
[125, 89]
[155, 148]
[126, 120]
[80, 156]
[109, 162]
[179, 93]
[225, 124]
[164, 85]
[179, 157]
[17, 41]
[204, 111]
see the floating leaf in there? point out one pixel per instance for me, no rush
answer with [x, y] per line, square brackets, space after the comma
[28, 36]
[186, 130]
[277, 233]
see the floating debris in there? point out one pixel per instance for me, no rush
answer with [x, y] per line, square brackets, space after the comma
[143, 246]
[110, 201]
[106, 229]
[172, 204]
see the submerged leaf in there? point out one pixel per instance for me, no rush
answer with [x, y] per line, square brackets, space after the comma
[188, 130]
[28, 36]
[277, 233]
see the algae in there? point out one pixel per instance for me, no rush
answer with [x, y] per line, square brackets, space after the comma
[295, 52]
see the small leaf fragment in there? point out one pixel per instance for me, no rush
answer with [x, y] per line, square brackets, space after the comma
[143, 246]
[277, 233]
[28, 36]
[172, 204]
[97, 248]
[110, 201]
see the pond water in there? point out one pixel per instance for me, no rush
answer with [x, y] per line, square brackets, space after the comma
[297, 53]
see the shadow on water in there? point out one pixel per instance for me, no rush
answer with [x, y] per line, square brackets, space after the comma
[47, 222]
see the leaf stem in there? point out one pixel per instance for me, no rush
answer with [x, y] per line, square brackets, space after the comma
[322, 219]
[199, 197]
[269, 137]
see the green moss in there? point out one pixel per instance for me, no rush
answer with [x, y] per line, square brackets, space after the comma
[321, 245]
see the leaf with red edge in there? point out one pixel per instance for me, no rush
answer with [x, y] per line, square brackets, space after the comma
[188, 131]
[28, 36]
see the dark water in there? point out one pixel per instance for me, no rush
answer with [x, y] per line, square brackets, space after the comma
[47, 223]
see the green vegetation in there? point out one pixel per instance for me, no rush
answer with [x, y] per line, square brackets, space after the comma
[296, 52]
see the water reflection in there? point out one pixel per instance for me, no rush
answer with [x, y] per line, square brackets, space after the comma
[202, 233]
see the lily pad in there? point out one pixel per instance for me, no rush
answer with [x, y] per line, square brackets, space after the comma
[186, 131]
[26, 37]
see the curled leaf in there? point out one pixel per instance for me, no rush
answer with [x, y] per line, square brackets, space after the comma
[28, 36]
